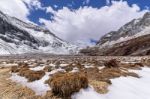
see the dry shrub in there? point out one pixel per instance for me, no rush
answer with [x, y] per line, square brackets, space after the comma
[100, 86]
[94, 74]
[47, 69]
[146, 62]
[91, 73]
[35, 75]
[23, 65]
[111, 63]
[111, 73]
[30, 74]
[50, 95]
[14, 69]
[57, 64]
[139, 64]
[132, 65]
[69, 67]
[23, 71]
[79, 65]
[133, 74]
[64, 85]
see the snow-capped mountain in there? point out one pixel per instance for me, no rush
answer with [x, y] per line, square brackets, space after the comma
[18, 37]
[131, 39]
[133, 29]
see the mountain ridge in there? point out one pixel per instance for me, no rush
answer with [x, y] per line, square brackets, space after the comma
[130, 39]
[20, 37]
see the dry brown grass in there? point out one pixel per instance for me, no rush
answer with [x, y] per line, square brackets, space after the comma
[23, 71]
[23, 65]
[30, 74]
[79, 65]
[132, 65]
[91, 73]
[11, 90]
[69, 67]
[100, 86]
[111, 63]
[47, 69]
[64, 85]
[35, 75]
[111, 73]
[14, 69]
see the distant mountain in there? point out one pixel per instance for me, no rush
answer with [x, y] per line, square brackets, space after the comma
[18, 37]
[131, 39]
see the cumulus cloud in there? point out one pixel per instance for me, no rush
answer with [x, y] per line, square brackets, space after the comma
[108, 2]
[49, 9]
[16, 8]
[19, 8]
[88, 23]
[34, 4]
[86, 2]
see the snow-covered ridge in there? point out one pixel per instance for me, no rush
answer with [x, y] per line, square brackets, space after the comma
[135, 28]
[25, 37]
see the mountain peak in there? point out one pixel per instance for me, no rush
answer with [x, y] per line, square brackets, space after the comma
[18, 37]
[146, 15]
[129, 30]
[131, 39]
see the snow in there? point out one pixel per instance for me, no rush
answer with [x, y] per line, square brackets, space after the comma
[53, 65]
[88, 66]
[75, 69]
[57, 70]
[122, 88]
[63, 65]
[38, 86]
[8, 65]
[88, 93]
[37, 68]
[101, 67]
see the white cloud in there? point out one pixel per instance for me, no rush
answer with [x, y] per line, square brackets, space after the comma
[87, 22]
[49, 9]
[19, 8]
[34, 4]
[108, 2]
[86, 2]
[15, 8]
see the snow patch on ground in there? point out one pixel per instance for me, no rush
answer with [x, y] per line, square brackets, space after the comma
[38, 86]
[8, 65]
[75, 69]
[88, 66]
[57, 70]
[38, 68]
[122, 88]
[63, 65]
[101, 67]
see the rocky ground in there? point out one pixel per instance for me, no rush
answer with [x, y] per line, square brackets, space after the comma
[56, 77]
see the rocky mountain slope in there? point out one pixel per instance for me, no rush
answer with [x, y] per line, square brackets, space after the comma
[18, 37]
[131, 39]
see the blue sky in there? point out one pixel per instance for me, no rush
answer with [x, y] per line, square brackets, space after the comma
[76, 4]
